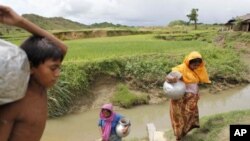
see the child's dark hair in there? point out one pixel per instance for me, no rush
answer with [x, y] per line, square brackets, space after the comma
[196, 60]
[39, 49]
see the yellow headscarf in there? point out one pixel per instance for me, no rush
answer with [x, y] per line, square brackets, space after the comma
[193, 76]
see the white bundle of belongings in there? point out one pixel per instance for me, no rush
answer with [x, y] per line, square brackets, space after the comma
[174, 90]
[14, 72]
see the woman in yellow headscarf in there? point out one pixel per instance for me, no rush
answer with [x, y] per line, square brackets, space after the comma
[184, 112]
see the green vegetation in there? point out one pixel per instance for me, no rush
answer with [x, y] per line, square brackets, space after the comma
[105, 25]
[71, 86]
[103, 48]
[96, 33]
[235, 37]
[52, 24]
[125, 98]
[55, 24]
[212, 127]
[145, 71]
[139, 62]
[193, 16]
[145, 66]
[177, 23]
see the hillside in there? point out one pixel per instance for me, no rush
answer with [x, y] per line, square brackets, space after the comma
[54, 23]
[106, 24]
[57, 23]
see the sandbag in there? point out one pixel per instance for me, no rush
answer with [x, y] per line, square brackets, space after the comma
[174, 90]
[14, 72]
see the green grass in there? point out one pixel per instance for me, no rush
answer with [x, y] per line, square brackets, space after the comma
[125, 98]
[110, 47]
[143, 59]
[212, 126]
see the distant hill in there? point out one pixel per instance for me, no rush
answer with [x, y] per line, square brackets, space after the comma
[106, 24]
[54, 23]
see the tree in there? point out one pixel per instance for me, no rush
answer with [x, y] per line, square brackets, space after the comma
[193, 16]
[238, 24]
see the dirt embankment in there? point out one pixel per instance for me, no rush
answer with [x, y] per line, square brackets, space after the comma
[70, 35]
[102, 90]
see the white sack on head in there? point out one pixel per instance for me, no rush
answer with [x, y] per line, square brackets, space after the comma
[14, 72]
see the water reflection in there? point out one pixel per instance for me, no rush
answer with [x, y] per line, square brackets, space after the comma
[83, 126]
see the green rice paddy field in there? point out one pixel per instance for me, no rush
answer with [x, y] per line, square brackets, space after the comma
[109, 47]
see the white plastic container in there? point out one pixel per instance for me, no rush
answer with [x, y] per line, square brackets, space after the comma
[14, 72]
[174, 90]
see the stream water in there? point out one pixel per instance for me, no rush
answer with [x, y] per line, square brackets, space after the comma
[83, 126]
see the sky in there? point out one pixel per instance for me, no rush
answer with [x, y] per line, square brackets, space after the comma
[132, 12]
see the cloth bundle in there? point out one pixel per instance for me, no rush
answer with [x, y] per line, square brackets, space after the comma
[14, 72]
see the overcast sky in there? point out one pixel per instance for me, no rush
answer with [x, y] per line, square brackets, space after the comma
[132, 12]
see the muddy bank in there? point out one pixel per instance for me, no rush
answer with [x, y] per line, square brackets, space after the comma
[104, 87]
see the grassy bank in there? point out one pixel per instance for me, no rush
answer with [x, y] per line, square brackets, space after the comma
[141, 61]
[216, 127]
[143, 72]
[212, 128]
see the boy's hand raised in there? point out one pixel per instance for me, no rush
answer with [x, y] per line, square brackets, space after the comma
[9, 16]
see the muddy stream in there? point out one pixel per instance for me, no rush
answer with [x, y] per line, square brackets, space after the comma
[83, 126]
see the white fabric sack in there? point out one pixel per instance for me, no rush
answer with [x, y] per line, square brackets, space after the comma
[14, 72]
[174, 90]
